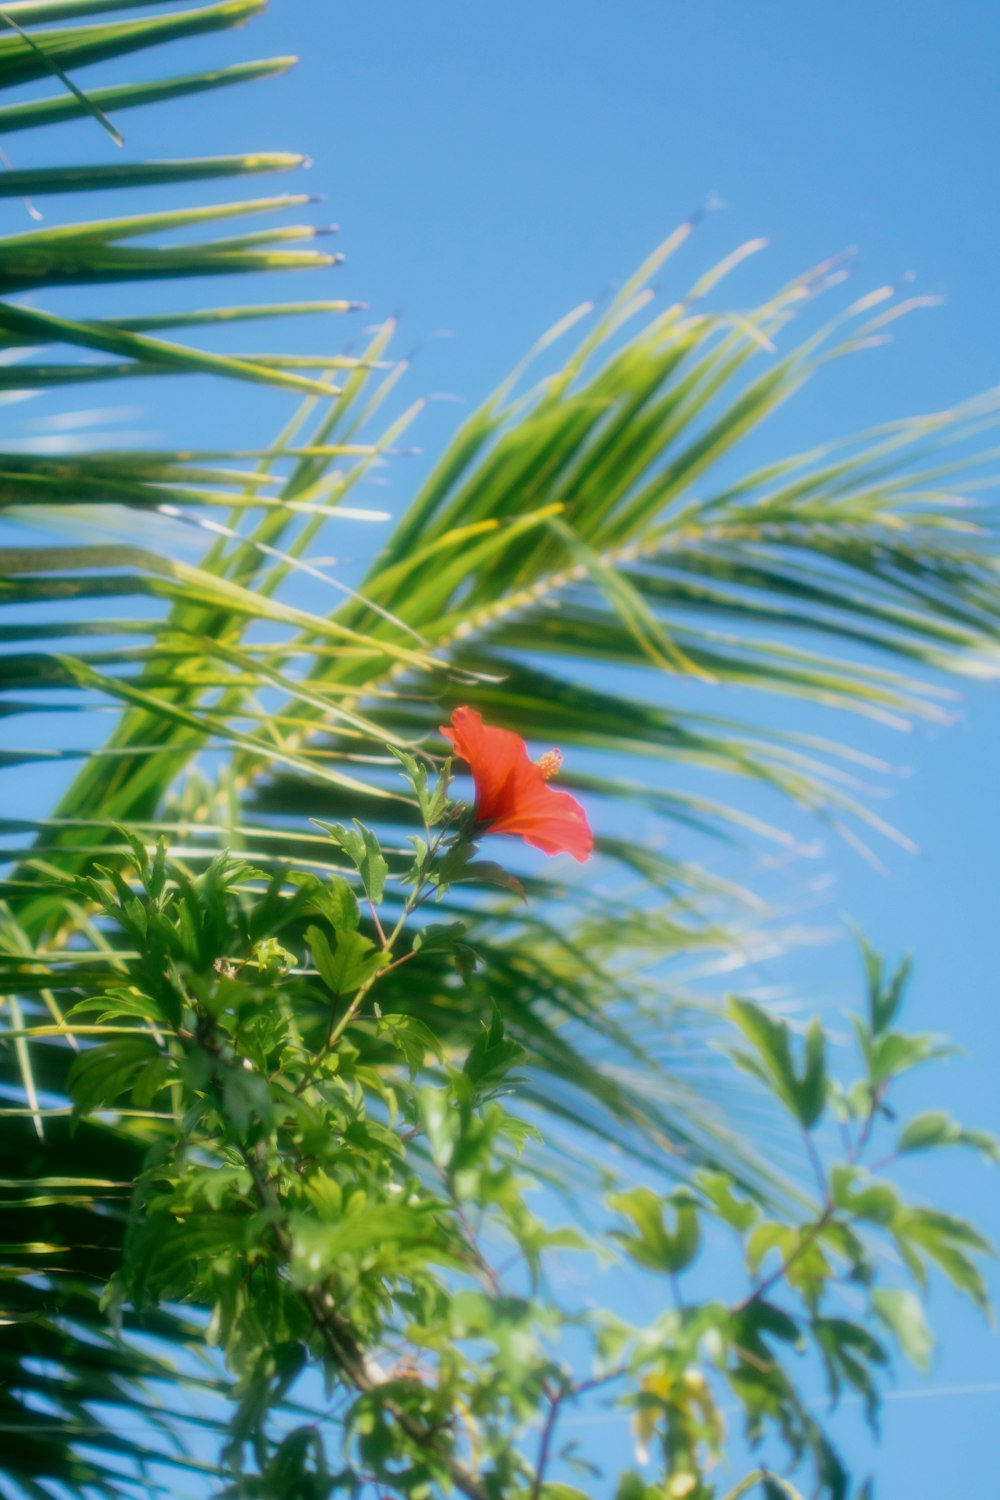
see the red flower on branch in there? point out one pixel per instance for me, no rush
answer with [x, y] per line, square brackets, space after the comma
[513, 794]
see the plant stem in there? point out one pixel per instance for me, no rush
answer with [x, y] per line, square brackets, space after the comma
[817, 1166]
[556, 1400]
[545, 1443]
[807, 1238]
[362, 1373]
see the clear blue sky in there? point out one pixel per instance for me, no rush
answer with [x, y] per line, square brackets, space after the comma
[491, 166]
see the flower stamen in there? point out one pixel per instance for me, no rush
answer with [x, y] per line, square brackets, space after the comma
[550, 763]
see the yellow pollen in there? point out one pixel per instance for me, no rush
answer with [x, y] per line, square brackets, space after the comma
[549, 763]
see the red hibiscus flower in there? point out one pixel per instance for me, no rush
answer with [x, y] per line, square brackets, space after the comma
[513, 793]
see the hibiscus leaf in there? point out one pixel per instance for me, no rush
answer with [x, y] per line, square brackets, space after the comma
[362, 848]
[805, 1093]
[414, 1040]
[492, 1055]
[486, 872]
[346, 965]
[332, 899]
[438, 937]
[432, 801]
[903, 1315]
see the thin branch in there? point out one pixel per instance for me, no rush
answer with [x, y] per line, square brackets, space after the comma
[548, 1433]
[817, 1166]
[378, 925]
[878, 1095]
[807, 1238]
[556, 1402]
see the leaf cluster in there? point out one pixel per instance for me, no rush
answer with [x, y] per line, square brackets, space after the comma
[337, 1190]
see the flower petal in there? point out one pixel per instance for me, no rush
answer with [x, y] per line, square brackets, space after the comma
[512, 793]
[495, 756]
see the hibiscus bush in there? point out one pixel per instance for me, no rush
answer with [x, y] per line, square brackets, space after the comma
[366, 1212]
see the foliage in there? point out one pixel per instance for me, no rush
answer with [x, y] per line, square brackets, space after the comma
[599, 518]
[340, 1188]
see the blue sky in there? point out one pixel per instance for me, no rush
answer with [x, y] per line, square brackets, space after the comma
[493, 166]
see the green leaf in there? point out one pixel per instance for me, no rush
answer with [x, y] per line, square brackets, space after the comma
[804, 1096]
[246, 1100]
[413, 1038]
[432, 801]
[492, 1055]
[52, 66]
[439, 937]
[950, 1243]
[657, 1246]
[903, 1314]
[101, 1075]
[718, 1187]
[487, 872]
[74, 47]
[332, 898]
[271, 958]
[362, 847]
[885, 996]
[363, 1227]
[767, 1318]
[632, 1486]
[118, 1004]
[349, 963]
[39, 181]
[856, 1192]
[36, 112]
[936, 1128]
[768, 1236]
[893, 1053]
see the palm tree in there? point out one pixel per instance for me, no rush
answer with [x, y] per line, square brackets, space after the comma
[580, 563]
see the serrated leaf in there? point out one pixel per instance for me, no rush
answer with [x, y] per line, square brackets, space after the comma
[413, 1038]
[439, 937]
[432, 801]
[348, 962]
[491, 1056]
[362, 847]
[948, 1241]
[271, 958]
[333, 898]
[102, 1074]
